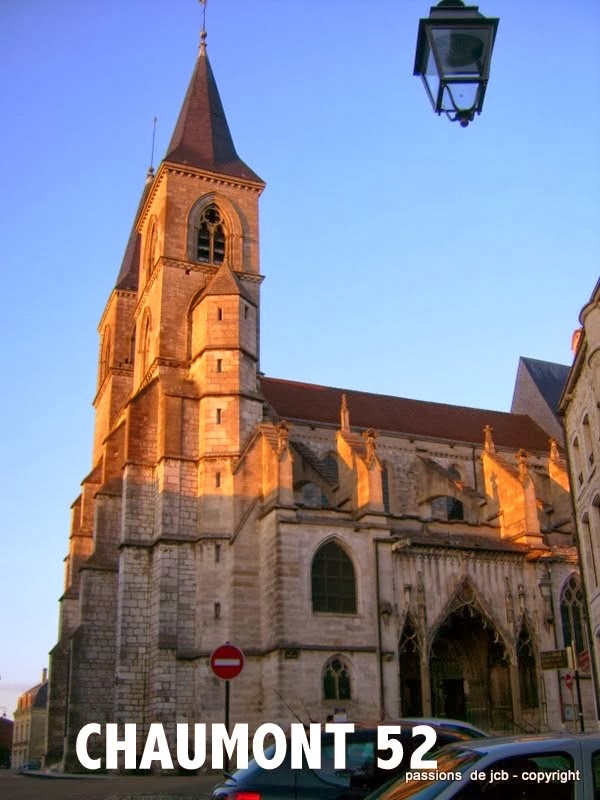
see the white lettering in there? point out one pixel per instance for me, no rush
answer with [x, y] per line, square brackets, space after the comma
[183, 746]
[384, 742]
[339, 730]
[81, 746]
[221, 739]
[127, 745]
[300, 745]
[258, 746]
[156, 748]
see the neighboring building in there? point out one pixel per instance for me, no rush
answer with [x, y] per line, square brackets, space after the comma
[580, 409]
[6, 738]
[538, 388]
[419, 568]
[31, 719]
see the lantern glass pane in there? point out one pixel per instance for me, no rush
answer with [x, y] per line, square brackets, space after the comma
[432, 79]
[461, 51]
[460, 96]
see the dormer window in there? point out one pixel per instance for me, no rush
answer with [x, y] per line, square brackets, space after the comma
[211, 236]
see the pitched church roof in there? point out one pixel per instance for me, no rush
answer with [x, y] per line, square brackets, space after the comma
[202, 138]
[321, 404]
[226, 282]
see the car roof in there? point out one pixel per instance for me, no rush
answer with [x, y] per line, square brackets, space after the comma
[509, 745]
[435, 722]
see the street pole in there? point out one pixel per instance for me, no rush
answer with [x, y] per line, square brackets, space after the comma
[579, 703]
[227, 723]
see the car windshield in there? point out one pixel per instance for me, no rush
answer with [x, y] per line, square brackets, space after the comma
[430, 783]
[251, 769]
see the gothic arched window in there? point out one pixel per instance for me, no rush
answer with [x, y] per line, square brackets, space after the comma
[145, 345]
[572, 614]
[105, 354]
[336, 680]
[447, 508]
[333, 581]
[211, 236]
[151, 250]
[528, 684]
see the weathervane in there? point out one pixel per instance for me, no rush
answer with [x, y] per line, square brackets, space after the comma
[203, 4]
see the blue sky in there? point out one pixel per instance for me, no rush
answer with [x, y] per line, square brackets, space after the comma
[402, 254]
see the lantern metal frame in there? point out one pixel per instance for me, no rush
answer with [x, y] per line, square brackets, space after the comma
[451, 18]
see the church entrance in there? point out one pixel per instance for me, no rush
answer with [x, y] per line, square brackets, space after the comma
[469, 671]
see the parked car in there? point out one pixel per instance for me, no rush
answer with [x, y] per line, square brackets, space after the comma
[547, 767]
[360, 776]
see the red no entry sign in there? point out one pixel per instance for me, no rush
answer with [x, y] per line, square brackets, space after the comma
[227, 661]
[569, 680]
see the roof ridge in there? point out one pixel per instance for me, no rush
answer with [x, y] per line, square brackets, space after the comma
[394, 397]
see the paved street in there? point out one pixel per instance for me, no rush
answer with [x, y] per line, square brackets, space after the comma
[18, 787]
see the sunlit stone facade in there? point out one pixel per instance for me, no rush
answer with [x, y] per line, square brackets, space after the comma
[374, 555]
[580, 408]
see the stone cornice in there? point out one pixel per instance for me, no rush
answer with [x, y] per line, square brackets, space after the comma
[257, 652]
[218, 179]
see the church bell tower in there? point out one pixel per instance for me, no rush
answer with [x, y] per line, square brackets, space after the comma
[176, 402]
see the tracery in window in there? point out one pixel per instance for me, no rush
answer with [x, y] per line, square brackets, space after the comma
[333, 581]
[211, 236]
[336, 680]
[572, 614]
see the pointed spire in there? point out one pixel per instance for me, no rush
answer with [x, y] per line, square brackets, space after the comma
[345, 414]
[202, 138]
[128, 276]
[370, 439]
[488, 444]
[523, 465]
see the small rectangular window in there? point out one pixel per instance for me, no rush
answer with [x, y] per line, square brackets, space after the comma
[219, 365]
[219, 416]
[217, 553]
[217, 610]
[218, 480]
[245, 312]
[219, 314]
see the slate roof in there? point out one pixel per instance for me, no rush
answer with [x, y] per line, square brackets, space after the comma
[202, 138]
[128, 276]
[226, 282]
[293, 400]
[550, 379]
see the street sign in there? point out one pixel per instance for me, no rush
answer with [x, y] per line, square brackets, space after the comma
[583, 659]
[569, 680]
[553, 659]
[227, 661]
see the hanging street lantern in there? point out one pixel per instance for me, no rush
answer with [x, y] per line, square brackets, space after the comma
[454, 50]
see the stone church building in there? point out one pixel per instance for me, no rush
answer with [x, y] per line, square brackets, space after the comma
[370, 554]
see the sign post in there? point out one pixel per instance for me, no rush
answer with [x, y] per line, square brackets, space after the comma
[226, 662]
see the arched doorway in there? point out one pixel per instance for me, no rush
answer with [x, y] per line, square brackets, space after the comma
[469, 669]
[411, 703]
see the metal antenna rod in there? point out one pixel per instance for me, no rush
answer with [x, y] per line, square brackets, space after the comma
[153, 139]
[203, 4]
